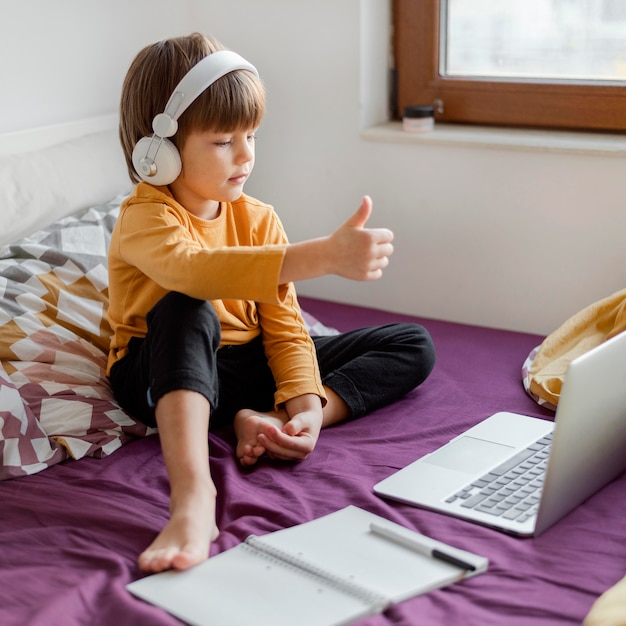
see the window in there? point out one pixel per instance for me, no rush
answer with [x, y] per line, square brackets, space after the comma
[529, 63]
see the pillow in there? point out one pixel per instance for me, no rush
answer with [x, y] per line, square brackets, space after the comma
[526, 380]
[544, 370]
[24, 446]
[315, 327]
[38, 188]
[610, 608]
[54, 338]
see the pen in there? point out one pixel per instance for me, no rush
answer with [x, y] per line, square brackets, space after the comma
[414, 544]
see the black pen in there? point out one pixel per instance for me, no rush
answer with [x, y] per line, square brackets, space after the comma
[413, 544]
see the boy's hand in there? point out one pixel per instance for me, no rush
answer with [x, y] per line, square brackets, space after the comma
[297, 438]
[357, 252]
[352, 251]
[286, 446]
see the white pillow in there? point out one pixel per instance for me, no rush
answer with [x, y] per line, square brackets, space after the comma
[38, 188]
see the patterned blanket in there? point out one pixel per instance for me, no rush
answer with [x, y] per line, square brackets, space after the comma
[55, 400]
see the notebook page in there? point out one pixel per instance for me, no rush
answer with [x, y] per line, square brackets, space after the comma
[243, 586]
[342, 543]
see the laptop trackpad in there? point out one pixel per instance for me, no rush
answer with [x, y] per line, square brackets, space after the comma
[469, 455]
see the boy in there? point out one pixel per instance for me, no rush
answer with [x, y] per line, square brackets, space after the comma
[204, 314]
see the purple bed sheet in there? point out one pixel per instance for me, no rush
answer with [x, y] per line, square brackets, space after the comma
[70, 535]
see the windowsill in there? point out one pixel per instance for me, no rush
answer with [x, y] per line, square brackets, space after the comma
[511, 138]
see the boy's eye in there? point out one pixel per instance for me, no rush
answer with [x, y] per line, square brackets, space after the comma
[229, 142]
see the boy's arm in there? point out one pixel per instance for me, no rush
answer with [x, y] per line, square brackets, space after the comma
[352, 251]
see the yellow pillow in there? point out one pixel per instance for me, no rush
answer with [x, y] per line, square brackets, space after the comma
[610, 608]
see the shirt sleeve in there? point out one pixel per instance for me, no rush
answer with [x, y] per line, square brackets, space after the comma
[288, 346]
[159, 245]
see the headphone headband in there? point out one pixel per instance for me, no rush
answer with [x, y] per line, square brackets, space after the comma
[198, 78]
[202, 75]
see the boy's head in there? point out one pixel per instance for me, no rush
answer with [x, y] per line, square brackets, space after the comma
[234, 102]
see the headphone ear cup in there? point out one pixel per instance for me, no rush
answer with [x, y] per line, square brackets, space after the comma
[164, 168]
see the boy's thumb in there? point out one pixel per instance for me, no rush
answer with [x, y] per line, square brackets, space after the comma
[362, 214]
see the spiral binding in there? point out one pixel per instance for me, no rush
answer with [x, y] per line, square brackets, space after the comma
[376, 601]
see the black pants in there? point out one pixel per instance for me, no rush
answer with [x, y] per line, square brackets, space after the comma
[368, 368]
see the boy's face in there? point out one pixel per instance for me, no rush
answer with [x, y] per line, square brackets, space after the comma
[215, 168]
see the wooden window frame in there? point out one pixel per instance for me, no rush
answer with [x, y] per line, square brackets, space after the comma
[558, 105]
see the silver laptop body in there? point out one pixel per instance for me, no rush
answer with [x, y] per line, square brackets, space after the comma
[587, 450]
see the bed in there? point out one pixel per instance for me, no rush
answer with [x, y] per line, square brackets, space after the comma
[84, 487]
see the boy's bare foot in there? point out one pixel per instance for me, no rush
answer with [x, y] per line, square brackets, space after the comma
[186, 538]
[248, 424]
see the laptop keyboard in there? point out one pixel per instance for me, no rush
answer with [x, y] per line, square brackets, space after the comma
[511, 490]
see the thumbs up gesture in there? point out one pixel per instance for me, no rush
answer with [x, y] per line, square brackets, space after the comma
[357, 252]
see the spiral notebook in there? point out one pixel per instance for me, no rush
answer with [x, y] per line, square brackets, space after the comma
[327, 572]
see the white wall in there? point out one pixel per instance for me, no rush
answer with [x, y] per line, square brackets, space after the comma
[64, 60]
[496, 237]
[492, 236]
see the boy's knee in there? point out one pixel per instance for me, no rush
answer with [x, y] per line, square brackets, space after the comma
[179, 311]
[420, 345]
[180, 306]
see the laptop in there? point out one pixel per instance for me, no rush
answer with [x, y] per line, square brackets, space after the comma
[521, 474]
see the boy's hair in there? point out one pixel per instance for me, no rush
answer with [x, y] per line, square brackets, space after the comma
[234, 102]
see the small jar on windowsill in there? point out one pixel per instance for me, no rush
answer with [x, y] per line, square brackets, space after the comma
[418, 118]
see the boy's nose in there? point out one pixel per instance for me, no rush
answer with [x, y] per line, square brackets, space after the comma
[245, 152]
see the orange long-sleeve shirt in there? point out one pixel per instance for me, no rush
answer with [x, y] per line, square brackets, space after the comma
[234, 261]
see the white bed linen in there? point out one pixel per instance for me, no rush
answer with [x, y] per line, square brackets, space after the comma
[40, 186]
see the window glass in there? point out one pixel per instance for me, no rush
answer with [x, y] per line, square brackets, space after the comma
[571, 40]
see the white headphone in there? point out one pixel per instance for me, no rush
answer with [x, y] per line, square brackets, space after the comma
[156, 158]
